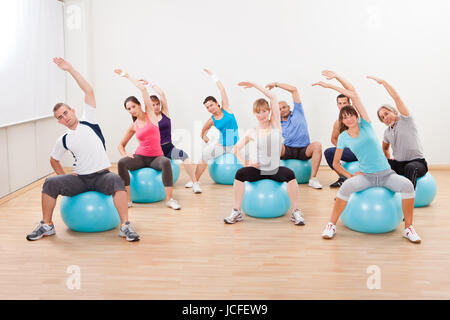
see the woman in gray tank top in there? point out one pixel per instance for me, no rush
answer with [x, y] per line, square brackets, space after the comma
[401, 134]
[268, 138]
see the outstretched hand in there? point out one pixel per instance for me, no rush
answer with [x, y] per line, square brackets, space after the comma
[379, 80]
[246, 84]
[62, 64]
[144, 82]
[270, 86]
[118, 71]
[209, 72]
[329, 74]
[322, 84]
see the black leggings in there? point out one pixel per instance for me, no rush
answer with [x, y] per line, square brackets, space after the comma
[252, 174]
[158, 163]
[410, 169]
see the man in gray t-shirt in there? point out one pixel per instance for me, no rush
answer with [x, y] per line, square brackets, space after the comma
[401, 134]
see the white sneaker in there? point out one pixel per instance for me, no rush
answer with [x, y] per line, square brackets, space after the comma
[196, 187]
[297, 217]
[130, 204]
[189, 184]
[234, 217]
[314, 183]
[329, 231]
[410, 234]
[172, 203]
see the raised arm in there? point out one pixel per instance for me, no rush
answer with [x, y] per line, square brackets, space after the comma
[89, 97]
[293, 90]
[275, 119]
[160, 92]
[223, 93]
[393, 93]
[333, 75]
[351, 94]
[144, 93]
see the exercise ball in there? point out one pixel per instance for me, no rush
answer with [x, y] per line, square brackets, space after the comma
[302, 169]
[425, 190]
[266, 199]
[351, 167]
[146, 186]
[222, 169]
[89, 212]
[373, 210]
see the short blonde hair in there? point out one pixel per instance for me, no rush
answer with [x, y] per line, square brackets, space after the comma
[260, 105]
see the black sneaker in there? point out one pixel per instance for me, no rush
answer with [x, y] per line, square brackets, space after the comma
[338, 182]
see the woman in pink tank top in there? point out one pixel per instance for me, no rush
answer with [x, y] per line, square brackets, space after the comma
[149, 152]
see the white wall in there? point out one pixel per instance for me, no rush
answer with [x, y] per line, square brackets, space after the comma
[263, 40]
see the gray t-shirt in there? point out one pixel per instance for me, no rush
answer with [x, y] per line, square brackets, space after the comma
[404, 139]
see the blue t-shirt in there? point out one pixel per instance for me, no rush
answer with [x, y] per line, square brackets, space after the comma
[366, 148]
[295, 129]
[228, 128]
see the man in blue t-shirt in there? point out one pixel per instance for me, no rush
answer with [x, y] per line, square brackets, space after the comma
[295, 133]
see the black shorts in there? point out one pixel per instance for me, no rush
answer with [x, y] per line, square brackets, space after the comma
[251, 174]
[295, 153]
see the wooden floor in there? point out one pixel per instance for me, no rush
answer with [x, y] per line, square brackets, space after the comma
[192, 254]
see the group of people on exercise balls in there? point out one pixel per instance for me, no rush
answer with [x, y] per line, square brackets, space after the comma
[281, 133]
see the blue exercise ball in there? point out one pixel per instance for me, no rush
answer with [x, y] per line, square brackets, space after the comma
[301, 168]
[89, 212]
[351, 167]
[374, 210]
[146, 186]
[222, 169]
[425, 190]
[266, 199]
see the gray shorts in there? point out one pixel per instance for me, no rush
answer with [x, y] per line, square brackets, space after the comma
[70, 185]
[214, 150]
[387, 178]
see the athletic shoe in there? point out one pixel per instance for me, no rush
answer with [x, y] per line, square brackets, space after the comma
[338, 182]
[297, 217]
[189, 184]
[130, 204]
[329, 231]
[42, 230]
[235, 216]
[127, 231]
[172, 203]
[314, 183]
[410, 234]
[196, 187]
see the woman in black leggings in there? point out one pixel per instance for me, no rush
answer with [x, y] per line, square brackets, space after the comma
[269, 140]
[401, 134]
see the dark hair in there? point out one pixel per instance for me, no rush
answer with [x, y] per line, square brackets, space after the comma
[349, 110]
[155, 98]
[210, 98]
[134, 100]
[59, 105]
[343, 96]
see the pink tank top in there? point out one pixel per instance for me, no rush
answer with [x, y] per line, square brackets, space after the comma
[149, 140]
